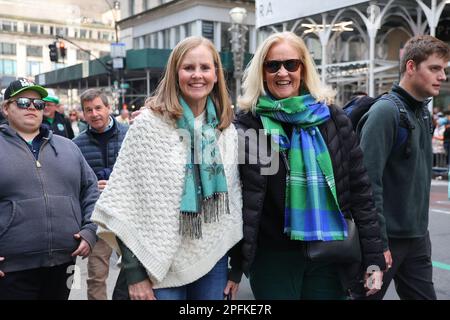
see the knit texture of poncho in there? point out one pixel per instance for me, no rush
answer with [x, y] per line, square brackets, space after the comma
[141, 203]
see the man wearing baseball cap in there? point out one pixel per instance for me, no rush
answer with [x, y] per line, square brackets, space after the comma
[54, 120]
[47, 195]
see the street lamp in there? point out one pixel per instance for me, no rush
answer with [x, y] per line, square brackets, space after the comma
[114, 7]
[117, 54]
[238, 40]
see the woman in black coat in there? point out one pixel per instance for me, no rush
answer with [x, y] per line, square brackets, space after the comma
[303, 185]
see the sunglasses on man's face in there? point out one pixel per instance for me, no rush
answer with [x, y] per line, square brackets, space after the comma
[272, 66]
[25, 103]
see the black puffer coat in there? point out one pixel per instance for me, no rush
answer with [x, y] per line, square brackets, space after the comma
[352, 184]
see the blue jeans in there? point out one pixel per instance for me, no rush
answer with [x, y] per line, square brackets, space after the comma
[208, 287]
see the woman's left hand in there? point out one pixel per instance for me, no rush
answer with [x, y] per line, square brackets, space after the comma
[231, 289]
[373, 282]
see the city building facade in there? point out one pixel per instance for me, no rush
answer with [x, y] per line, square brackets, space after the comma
[357, 44]
[149, 30]
[28, 27]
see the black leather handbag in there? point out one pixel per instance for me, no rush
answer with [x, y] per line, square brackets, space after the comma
[345, 251]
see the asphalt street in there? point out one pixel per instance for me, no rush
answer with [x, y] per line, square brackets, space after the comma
[440, 236]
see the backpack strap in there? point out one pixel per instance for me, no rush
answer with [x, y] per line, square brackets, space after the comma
[427, 118]
[403, 124]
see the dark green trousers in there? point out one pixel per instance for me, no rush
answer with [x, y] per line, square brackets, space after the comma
[288, 275]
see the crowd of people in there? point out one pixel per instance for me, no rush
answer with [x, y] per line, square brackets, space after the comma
[192, 196]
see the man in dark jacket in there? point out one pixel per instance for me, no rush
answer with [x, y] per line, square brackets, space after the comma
[47, 195]
[100, 145]
[401, 184]
[56, 121]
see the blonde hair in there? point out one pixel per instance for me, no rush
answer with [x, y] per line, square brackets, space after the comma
[165, 99]
[253, 79]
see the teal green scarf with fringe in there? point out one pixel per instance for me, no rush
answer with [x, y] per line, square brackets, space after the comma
[205, 194]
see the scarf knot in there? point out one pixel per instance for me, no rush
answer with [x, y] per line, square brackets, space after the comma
[205, 194]
[311, 209]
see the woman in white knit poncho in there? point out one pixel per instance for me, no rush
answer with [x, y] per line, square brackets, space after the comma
[173, 204]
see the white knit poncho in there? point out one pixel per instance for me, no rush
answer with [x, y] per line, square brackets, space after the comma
[141, 204]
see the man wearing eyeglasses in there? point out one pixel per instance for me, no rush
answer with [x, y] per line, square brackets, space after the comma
[47, 194]
[54, 120]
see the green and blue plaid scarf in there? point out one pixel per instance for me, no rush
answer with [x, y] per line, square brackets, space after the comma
[311, 209]
[205, 191]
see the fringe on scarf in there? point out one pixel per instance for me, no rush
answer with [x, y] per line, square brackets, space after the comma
[212, 208]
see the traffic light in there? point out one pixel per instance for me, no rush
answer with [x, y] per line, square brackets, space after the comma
[53, 52]
[62, 49]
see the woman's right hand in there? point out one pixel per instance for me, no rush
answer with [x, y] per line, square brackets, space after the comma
[141, 291]
[2, 274]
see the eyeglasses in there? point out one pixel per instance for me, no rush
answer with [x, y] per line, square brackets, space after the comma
[291, 65]
[25, 103]
[72, 114]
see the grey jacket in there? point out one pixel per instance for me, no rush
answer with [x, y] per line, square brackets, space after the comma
[43, 202]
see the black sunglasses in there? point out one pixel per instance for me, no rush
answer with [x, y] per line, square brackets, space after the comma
[25, 103]
[272, 66]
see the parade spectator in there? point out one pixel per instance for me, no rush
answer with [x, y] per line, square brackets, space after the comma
[447, 136]
[320, 179]
[173, 203]
[401, 184]
[437, 143]
[47, 194]
[54, 120]
[124, 117]
[76, 123]
[100, 145]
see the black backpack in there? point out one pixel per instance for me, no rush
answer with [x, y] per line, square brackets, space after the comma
[359, 106]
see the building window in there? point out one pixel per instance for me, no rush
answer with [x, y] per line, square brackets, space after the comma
[61, 31]
[7, 48]
[104, 35]
[208, 30]
[136, 43]
[7, 67]
[154, 40]
[166, 38]
[131, 7]
[85, 34]
[10, 26]
[225, 37]
[83, 55]
[34, 68]
[34, 51]
[190, 29]
[34, 28]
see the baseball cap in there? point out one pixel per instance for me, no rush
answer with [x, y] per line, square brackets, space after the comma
[22, 84]
[50, 98]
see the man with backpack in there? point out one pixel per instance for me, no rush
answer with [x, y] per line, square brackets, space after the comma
[400, 168]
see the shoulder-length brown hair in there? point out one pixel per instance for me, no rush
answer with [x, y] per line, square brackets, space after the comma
[165, 99]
